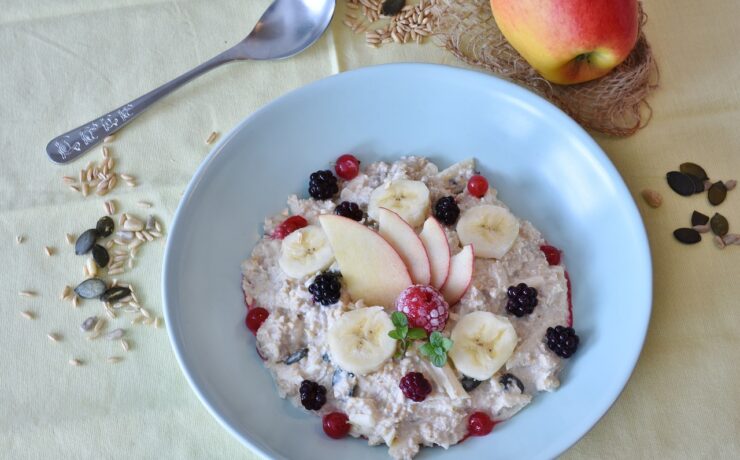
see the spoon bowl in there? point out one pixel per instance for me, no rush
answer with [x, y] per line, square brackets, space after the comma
[285, 29]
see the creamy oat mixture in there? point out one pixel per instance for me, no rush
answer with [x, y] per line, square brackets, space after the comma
[376, 407]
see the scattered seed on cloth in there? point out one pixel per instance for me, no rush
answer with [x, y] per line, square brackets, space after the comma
[730, 184]
[698, 218]
[719, 224]
[694, 170]
[27, 294]
[115, 294]
[717, 193]
[702, 228]
[687, 235]
[115, 334]
[100, 256]
[86, 241]
[105, 226]
[89, 324]
[680, 183]
[652, 198]
[28, 314]
[91, 288]
[75, 362]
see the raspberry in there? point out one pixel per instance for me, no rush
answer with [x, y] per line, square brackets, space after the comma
[552, 254]
[322, 185]
[563, 341]
[446, 210]
[424, 307]
[313, 395]
[255, 318]
[522, 300]
[480, 424]
[336, 425]
[477, 186]
[415, 386]
[349, 210]
[347, 167]
[288, 226]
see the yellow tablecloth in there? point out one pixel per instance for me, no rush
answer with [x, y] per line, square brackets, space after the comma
[64, 62]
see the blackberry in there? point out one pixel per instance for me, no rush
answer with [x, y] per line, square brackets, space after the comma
[349, 210]
[313, 395]
[522, 300]
[563, 341]
[508, 380]
[415, 386]
[322, 185]
[446, 210]
[326, 288]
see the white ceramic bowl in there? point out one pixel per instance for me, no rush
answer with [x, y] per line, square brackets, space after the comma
[546, 168]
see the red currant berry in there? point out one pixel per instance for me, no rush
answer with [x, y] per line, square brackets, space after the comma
[480, 424]
[477, 186]
[552, 254]
[336, 425]
[288, 226]
[255, 318]
[347, 166]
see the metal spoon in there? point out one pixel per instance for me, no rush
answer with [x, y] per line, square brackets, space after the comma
[286, 28]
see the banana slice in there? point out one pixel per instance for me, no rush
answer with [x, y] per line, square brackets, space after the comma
[359, 342]
[407, 198]
[482, 344]
[305, 252]
[491, 230]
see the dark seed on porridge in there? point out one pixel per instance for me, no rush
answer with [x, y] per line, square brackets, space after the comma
[105, 226]
[392, 7]
[91, 288]
[698, 218]
[100, 255]
[469, 383]
[717, 193]
[687, 235]
[297, 356]
[694, 170]
[86, 241]
[509, 380]
[719, 225]
[680, 183]
[115, 294]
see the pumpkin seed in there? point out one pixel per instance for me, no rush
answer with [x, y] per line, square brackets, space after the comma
[86, 241]
[717, 193]
[89, 323]
[105, 226]
[91, 288]
[698, 218]
[469, 383]
[680, 183]
[694, 170]
[392, 7]
[687, 235]
[719, 224]
[297, 356]
[698, 183]
[100, 255]
[115, 294]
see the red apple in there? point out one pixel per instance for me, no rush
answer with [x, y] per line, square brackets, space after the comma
[569, 41]
[407, 244]
[461, 275]
[438, 248]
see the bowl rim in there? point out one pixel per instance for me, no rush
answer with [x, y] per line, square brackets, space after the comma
[513, 90]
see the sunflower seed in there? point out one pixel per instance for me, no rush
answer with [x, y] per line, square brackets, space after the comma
[731, 238]
[28, 314]
[91, 288]
[702, 228]
[109, 139]
[157, 227]
[100, 255]
[106, 151]
[114, 359]
[92, 336]
[86, 241]
[124, 345]
[135, 244]
[144, 204]
[719, 242]
[115, 293]
[680, 183]
[19, 239]
[75, 362]
[115, 334]
[147, 235]
[91, 268]
[694, 170]
[150, 224]
[110, 208]
[85, 271]
[105, 226]
[76, 301]
[112, 182]
[54, 337]
[115, 271]
[133, 224]
[717, 193]
[211, 138]
[687, 235]
[27, 294]
[49, 251]
[137, 320]
[89, 323]
[730, 184]
[68, 180]
[157, 322]
[66, 292]
[698, 218]
[719, 224]
[85, 189]
[70, 238]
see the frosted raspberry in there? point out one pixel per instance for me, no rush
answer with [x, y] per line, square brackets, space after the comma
[424, 306]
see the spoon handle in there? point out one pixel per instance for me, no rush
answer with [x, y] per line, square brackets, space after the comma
[72, 144]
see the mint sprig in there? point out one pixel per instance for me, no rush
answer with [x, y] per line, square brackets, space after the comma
[403, 334]
[436, 349]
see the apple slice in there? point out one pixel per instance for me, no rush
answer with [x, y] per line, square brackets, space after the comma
[438, 249]
[461, 275]
[407, 244]
[371, 269]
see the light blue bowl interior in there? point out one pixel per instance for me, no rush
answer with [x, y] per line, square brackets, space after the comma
[543, 164]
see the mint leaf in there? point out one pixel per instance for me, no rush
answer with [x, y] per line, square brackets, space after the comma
[399, 319]
[403, 330]
[439, 360]
[427, 349]
[394, 334]
[416, 333]
[436, 339]
[446, 344]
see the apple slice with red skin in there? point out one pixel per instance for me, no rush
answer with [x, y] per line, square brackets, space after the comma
[371, 269]
[407, 244]
[438, 248]
[461, 275]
